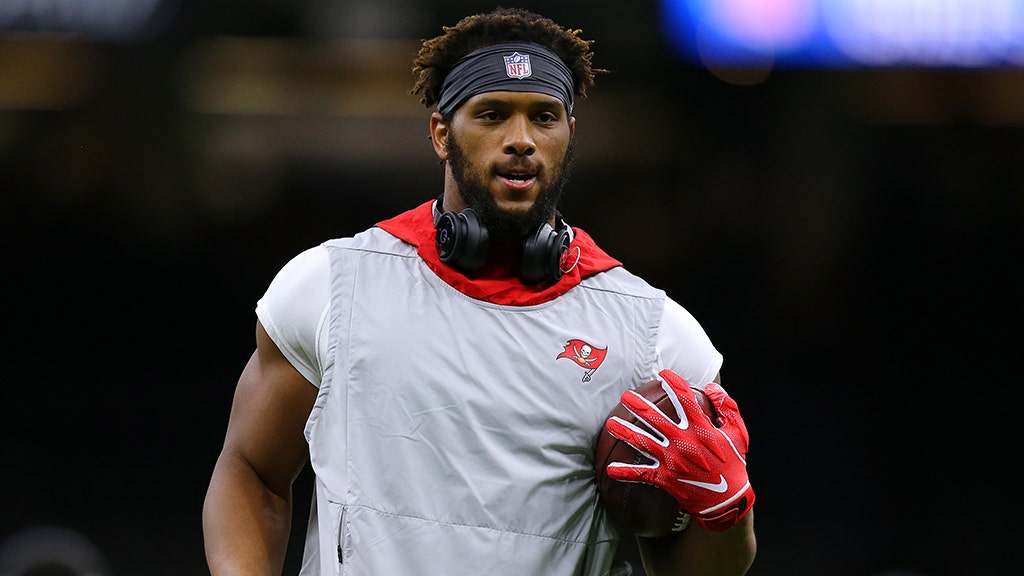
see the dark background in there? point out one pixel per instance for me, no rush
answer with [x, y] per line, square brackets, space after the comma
[850, 239]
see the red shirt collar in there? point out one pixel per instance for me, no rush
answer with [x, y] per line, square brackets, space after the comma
[497, 282]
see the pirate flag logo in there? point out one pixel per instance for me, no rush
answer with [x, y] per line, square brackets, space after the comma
[585, 355]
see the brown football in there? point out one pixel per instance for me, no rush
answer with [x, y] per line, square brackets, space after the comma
[640, 508]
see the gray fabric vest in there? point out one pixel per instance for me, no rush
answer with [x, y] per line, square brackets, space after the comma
[453, 436]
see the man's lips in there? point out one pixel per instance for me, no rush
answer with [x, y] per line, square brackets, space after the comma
[517, 176]
[517, 181]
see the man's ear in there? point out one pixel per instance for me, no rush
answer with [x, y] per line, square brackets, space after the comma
[439, 136]
[572, 126]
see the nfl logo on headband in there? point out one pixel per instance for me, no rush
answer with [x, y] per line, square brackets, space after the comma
[517, 65]
[528, 67]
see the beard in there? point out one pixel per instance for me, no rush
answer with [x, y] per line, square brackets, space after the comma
[505, 224]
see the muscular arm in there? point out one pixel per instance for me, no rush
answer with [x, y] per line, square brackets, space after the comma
[700, 552]
[247, 512]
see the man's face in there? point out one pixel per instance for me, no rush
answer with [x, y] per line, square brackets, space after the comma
[510, 153]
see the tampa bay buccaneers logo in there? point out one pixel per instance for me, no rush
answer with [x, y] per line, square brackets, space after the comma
[585, 355]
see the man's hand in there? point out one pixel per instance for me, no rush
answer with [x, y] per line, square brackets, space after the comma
[703, 467]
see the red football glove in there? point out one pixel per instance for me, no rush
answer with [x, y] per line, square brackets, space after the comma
[701, 466]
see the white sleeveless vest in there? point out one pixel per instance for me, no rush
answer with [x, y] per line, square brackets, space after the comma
[453, 436]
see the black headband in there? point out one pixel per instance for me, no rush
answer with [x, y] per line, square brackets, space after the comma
[512, 67]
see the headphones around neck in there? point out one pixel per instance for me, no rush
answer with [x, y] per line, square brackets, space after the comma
[463, 241]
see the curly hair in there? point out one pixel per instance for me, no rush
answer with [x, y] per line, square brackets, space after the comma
[438, 55]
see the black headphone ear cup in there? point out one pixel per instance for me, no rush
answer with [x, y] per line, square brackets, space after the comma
[462, 240]
[542, 254]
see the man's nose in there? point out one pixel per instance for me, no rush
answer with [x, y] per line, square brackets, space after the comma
[519, 138]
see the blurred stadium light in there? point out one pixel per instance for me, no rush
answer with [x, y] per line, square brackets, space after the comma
[101, 20]
[49, 549]
[847, 33]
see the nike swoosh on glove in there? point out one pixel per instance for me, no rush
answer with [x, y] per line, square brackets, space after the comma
[703, 467]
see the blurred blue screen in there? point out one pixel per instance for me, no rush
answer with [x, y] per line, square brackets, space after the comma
[847, 33]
